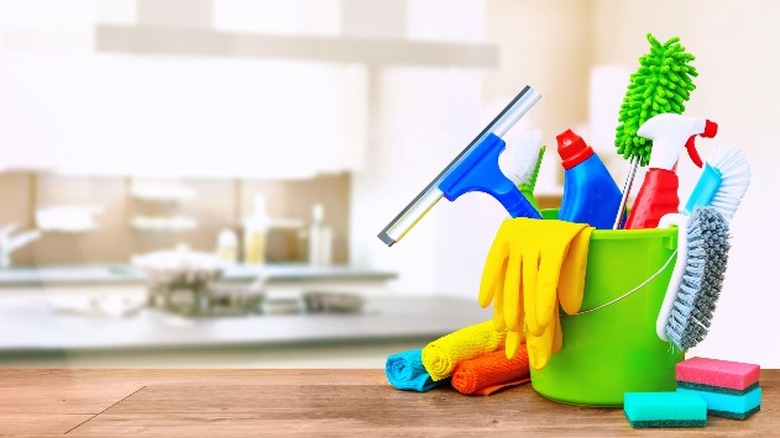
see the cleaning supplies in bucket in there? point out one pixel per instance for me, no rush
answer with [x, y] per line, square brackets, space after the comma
[658, 194]
[694, 288]
[531, 268]
[590, 195]
[535, 272]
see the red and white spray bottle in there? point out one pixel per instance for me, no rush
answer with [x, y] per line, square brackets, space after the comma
[658, 194]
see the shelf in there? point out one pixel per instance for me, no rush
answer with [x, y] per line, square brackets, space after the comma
[162, 223]
[162, 193]
[152, 40]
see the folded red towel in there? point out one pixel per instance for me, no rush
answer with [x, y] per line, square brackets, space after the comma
[490, 372]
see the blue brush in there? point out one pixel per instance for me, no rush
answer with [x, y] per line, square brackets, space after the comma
[723, 182]
[474, 169]
[697, 279]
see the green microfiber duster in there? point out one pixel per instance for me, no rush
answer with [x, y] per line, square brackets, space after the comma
[662, 84]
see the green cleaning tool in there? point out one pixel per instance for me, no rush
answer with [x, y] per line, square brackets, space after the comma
[694, 288]
[527, 188]
[521, 161]
[662, 84]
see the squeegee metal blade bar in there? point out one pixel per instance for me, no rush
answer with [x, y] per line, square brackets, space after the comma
[413, 213]
[427, 198]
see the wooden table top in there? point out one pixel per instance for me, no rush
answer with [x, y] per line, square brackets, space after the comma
[223, 403]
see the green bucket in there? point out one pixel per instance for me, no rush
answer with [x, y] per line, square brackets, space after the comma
[611, 346]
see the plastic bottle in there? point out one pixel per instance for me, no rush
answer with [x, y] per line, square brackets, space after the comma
[255, 229]
[320, 238]
[227, 246]
[670, 133]
[590, 194]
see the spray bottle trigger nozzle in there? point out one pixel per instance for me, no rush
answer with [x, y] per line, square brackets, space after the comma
[692, 152]
[710, 130]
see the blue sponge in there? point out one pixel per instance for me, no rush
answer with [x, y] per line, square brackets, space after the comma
[734, 406]
[664, 409]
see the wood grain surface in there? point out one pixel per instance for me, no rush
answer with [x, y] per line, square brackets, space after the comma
[227, 403]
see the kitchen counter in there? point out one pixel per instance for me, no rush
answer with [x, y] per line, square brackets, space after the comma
[129, 274]
[33, 327]
[116, 403]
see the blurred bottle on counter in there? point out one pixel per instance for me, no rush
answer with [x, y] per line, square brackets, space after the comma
[227, 246]
[320, 238]
[255, 229]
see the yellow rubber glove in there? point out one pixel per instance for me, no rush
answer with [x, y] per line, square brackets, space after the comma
[527, 262]
[502, 273]
[571, 282]
[513, 341]
[541, 348]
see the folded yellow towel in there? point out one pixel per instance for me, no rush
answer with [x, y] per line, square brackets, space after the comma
[440, 356]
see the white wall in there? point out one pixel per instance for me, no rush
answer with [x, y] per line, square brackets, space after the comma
[419, 120]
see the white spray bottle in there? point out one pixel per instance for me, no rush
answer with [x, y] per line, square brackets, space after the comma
[670, 133]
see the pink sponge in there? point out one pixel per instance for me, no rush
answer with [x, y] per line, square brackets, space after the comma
[719, 373]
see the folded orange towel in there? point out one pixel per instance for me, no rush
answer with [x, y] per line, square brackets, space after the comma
[490, 372]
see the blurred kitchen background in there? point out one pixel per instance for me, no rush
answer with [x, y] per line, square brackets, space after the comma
[280, 136]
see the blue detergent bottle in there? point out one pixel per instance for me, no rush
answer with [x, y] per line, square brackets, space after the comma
[590, 194]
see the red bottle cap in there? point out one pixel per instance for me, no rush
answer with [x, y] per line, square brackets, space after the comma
[572, 149]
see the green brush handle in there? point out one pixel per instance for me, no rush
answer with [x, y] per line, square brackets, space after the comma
[527, 188]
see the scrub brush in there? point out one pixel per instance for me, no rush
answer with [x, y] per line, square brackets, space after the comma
[697, 279]
[723, 182]
[521, 161]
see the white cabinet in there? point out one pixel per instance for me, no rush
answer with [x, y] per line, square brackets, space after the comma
[190, 116]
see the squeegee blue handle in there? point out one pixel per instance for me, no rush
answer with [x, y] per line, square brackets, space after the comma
[705, 189]
[478, 171]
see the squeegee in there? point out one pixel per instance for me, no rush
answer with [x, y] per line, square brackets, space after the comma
[474, 169]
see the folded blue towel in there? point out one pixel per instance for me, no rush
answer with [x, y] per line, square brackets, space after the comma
[405, 371]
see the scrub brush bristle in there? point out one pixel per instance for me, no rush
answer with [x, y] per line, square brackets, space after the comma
[707, 241]
[527, 188]
[520, 163]
[735, 172]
